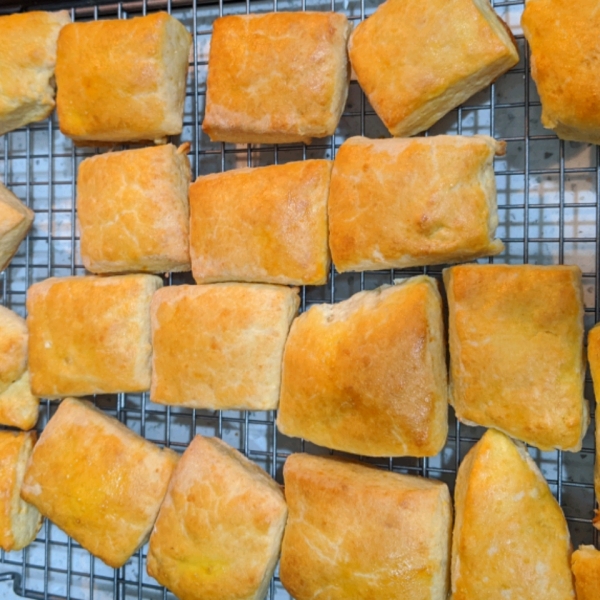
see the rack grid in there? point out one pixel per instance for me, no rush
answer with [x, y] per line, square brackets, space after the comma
[548, 194]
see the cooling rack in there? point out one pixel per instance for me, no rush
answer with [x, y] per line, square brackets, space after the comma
[548, 206]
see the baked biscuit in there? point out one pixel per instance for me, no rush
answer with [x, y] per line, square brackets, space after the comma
[357, 532]
[19, 521]
[97, 480]
[399, 203]
[15, 222]
[565, 59]
[586, 568]
[277, 77]
[511, 538]
[122, 80]
[267, 224]
[133, 210]
[220, 346]
[516, 351]
[368, 375]
[18, 406]
[27, 61]
[593, 353]
[90, 335]
[417, 61]
[13, 347]
[219, 529]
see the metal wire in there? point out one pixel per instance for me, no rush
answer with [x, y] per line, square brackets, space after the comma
[547, 197]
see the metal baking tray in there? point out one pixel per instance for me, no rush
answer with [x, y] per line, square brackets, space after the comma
[548, 205]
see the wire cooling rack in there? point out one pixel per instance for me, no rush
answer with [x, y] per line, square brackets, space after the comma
[548, 206]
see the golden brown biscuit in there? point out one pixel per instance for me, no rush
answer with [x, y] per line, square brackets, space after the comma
[368, 375]
[410, 202]
[219, 529]
[416, 62]
[15, 222]
[220, 346]
[97, 480]
[357, 532]
[133, 210]
[511, 538]
[276, 77]
[19, 521]
[565, 59]
[27, 61]
[90, 335]
[516, 351]
[585, 563]
[18, 406]
[122, 80]
[13, 347]
[262, 225]
[593, 354]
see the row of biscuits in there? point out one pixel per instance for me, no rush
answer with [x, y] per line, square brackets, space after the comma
[216, 522]
[380, 204]
[283, 77]
[367, 375]
[275, 77]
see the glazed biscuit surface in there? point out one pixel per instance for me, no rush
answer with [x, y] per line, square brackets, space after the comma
[511, 539]
[122, 80]
[220, 346]
[133, 210]
[565, 57]
[18, 406]
[277, 77]
[368, 375]
[267, 224]
[398, 203]
[585, 563]
[219, 529]
[27, 62]
[19, 521]
[357, 532]
[417, 61]
[516, 351]
[90, 335]
[97, 480]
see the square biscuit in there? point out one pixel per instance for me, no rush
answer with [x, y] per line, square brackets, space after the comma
[368, 375]
[417, 61]
[27, 61]
[13, 347]
[399, 203]
[358, 532]
[122, 80]
[277, 77]
[15, 221]
[19, 520]
[267, 224]
[90, 335]
[133, 210]
[220, 346]
[18, 406]
[586, 569]
[98, 481]
[516, 351]
[219, 529]
[564, 39]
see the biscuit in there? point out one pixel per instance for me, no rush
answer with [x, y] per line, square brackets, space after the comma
[368, 375]
[133, 210]
[516, 351]
[97, 480]
[276, 78]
